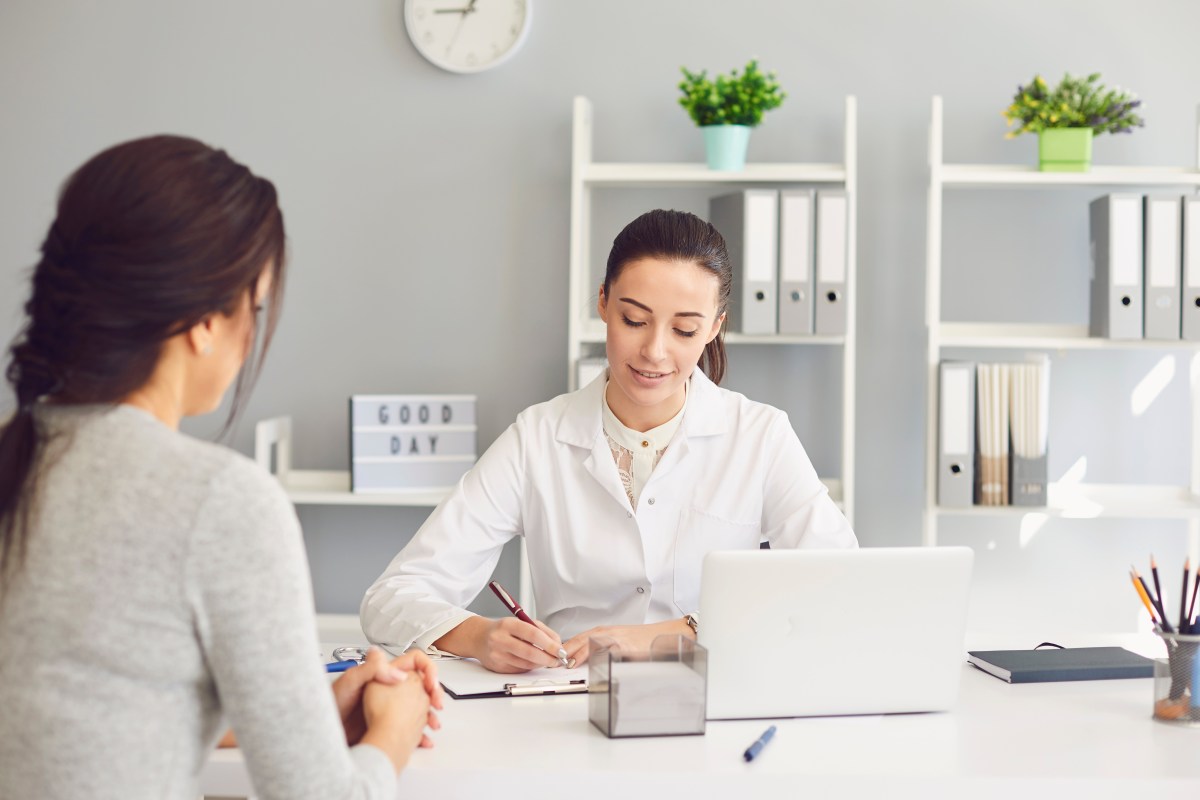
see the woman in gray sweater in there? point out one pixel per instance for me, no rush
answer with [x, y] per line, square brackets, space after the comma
[153, 587]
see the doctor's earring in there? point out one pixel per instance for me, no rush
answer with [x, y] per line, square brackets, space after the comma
[207, 351]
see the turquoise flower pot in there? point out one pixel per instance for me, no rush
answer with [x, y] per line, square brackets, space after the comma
[725, 146]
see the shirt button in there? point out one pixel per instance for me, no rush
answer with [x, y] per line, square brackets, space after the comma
[641, 590]
[650, 501]
[645, 443]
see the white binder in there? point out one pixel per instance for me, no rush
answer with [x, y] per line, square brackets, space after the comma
[749, 222]
[1190, 307]
[1115, 234]
[832, 210]
[956, 434]
[1162, 276]
[796, 261]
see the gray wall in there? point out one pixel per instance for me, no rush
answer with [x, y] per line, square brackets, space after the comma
[428, 218]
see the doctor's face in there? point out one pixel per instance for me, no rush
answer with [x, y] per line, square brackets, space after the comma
[660, 315]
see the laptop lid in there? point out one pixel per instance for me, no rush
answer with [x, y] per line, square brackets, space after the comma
[795, 633]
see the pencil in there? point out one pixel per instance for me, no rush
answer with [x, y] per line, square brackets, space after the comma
[1184, 622]
[1195, 591]
[1137, 587]
[1166, 626]
[1158, 593]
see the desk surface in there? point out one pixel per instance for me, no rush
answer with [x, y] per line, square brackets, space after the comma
[1060, 739]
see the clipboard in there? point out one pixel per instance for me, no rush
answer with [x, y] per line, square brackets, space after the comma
[467, 679]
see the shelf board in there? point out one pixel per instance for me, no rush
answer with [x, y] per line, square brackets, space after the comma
[1042, 337]
[982, 175]
[332, 488]
[1099, 500]
[593, 332]
[618, 174]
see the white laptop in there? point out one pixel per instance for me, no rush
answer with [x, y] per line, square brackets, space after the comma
[793, 633]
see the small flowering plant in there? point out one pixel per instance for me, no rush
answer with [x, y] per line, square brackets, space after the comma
[1073, 103]
[730, 99]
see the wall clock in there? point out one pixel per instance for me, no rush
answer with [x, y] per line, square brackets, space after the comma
[467, 35]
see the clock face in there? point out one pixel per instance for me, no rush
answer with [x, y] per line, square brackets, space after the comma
[467, 35]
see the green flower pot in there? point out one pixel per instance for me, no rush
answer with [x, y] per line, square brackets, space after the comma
[725, 146]
[1065, 150]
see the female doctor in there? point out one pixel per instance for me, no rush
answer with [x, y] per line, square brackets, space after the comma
[619, 488]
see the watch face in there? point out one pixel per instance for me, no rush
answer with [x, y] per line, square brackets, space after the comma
[467, 35]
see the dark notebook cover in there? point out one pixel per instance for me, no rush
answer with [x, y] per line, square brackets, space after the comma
[1069, 664]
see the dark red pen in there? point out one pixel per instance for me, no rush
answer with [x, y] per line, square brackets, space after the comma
[520, 614]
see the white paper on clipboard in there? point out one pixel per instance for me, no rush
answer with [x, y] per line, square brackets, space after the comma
[466, 678]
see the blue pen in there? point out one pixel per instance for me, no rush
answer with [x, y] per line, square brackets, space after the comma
[340, 666]
[756, 748]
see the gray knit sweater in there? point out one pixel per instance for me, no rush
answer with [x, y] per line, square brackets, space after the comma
[165, 594]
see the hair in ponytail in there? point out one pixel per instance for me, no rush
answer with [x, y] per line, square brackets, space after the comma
[150, 237]
[678, 236]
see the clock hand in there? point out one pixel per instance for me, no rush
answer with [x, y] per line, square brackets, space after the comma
[470, 9]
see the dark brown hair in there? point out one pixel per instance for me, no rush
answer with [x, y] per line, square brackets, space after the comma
[678, 236]
[150, 237]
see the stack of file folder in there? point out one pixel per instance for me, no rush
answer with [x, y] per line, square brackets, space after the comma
[993, 433]
[790, 254]
[1145, 277]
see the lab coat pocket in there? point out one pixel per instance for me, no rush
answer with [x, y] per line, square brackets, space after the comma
[698, 534]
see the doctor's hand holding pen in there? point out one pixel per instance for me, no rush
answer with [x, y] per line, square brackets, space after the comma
[513, 644]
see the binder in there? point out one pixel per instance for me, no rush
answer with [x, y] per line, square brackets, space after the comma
[796, 261]
[992, 432]
[1115, 234]
[1190, 307]
[1029, 409]
[956, 434]
[749, 222]
[1162, 260]
[1062, 664]
[831, 254]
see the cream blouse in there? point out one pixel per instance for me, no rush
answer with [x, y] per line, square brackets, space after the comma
[637, 452]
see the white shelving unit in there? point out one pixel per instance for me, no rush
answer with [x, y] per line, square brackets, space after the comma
[584, 329]
[1066, 500]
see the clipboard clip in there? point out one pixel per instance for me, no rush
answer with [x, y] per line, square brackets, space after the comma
[546, 687]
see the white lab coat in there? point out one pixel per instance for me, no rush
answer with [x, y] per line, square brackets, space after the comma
[733, 475]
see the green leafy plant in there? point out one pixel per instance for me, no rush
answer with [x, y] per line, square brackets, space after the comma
[730, 99]
[1073, 103]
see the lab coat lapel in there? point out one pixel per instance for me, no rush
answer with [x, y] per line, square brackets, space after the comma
[581, 426]
[704, 417]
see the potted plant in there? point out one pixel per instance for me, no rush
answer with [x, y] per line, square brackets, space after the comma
[726, 108]
[1066, 118]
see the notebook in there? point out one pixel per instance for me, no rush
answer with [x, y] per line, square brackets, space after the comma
[794, 633]
[1067, 664]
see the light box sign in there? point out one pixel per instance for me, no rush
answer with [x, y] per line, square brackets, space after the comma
[400, 442]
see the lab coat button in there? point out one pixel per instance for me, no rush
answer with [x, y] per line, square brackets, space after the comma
[641, 590]
[629, 515]
[650, 501]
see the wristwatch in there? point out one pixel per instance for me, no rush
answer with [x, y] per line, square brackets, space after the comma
[693, 622]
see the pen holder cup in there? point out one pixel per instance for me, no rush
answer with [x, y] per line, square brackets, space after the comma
[1177, 681]
[657, 692]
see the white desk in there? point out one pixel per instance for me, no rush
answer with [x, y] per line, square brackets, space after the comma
[1061, 740]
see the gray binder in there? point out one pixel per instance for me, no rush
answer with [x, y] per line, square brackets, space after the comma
[1115, 233]
[749, 222]
[1162, 276]
[832, 211]
[956, 434]
[1190, 308]
[796, 261]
